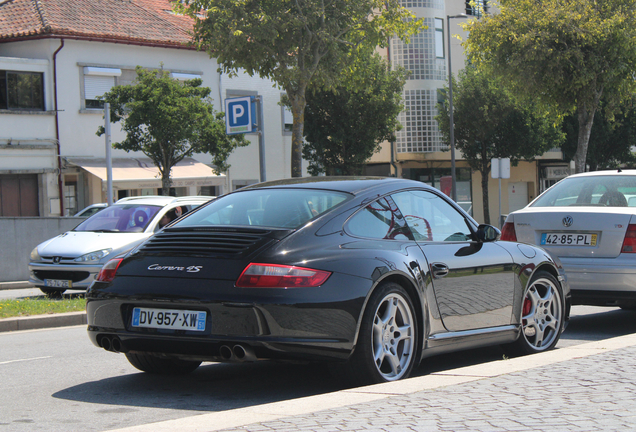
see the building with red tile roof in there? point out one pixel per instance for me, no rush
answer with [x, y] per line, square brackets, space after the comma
[144, 22]
[57, 57]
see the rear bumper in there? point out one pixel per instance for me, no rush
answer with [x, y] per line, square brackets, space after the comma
[600, 281]
[303, 323]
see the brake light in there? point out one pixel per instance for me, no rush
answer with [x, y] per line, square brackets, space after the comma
[629, 242]
[508, 232]
[107, 273]
[280, 276]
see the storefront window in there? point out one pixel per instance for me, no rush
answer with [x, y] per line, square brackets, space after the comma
[440, 178]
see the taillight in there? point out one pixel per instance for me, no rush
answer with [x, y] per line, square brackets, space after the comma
[107, 273]
[280, 276]
[629, 242]
[508, 232]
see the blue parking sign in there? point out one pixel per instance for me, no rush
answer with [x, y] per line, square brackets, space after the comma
[238, 115]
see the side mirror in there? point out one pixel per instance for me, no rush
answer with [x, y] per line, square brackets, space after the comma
[487, 233]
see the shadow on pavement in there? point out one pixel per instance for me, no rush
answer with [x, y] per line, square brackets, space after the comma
[212, 387]
[599, 323]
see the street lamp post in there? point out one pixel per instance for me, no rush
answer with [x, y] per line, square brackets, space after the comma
[450, 107]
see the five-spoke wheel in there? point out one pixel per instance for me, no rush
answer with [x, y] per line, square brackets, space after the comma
[541, 314]
[386, 348]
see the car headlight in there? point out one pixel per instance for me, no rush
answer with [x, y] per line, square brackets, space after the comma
[93, 256]
[35, 256]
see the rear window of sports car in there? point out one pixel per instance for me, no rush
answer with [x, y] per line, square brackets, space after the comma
[276, 208]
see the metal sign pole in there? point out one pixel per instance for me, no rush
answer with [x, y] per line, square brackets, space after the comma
[261, 139]
[109, 160]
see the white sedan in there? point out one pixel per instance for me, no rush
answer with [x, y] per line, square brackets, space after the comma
[588, 220]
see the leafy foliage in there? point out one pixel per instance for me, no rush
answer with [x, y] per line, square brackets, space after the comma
[295, 42]
[169, 120]
[345, 126]
[566, 55]
[611, 139]
[491, 123]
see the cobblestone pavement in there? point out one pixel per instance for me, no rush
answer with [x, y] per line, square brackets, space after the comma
[595, 393]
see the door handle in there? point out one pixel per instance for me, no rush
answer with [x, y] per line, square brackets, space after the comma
[439, 270]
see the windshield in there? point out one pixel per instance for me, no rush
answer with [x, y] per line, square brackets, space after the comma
[610, 191]
[277, 208]
[120, 218]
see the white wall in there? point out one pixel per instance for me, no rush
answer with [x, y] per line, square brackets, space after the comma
[244, 161]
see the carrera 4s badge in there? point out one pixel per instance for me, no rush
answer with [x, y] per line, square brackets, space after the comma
[190, 269]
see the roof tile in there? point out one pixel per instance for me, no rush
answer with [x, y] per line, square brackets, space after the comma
[138, 21]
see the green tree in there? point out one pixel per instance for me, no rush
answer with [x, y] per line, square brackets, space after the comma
[611, 139]
[169, 120]
[345, 126]
[295, 42]
[566, 54]
[490, 123]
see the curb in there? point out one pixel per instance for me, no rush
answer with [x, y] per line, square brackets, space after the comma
[43, 321]
[15, 285]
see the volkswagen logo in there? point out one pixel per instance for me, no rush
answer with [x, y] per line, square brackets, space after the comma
[568, 221]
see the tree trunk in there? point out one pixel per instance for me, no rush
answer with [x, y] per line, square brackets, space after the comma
[484, 190]
[166, 183]
[298, 103]
[585, 116]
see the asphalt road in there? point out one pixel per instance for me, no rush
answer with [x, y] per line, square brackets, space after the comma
[56, 380]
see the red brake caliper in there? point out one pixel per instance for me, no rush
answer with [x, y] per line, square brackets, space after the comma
[527, 306]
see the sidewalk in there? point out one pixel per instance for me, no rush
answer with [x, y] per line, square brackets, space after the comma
[587, 387]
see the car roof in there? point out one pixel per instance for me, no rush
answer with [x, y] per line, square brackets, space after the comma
[353, 185]
[163, 200]
[615, 172]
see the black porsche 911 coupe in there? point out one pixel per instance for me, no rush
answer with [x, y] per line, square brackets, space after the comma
[373, 274]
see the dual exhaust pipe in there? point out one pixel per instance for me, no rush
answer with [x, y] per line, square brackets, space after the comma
[112, 344]
[240, 353]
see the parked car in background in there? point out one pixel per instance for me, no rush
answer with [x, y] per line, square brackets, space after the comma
[73, 259]
[90, 210]
[372, 274]
[589, 221]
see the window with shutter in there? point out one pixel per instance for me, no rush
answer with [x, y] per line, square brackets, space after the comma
[98, 81]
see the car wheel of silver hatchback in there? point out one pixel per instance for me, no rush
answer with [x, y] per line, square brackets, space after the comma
[541, 314]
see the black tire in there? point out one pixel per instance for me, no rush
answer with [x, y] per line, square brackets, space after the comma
[52, 292]
[542, 315]
[158, 365]
[387, 344]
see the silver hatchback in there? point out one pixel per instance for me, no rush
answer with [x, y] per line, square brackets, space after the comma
[588, 220]
[73, 259]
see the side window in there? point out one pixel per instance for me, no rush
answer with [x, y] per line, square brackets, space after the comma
[20, 90]
[380, 220]
[287, 119]
[431, 218]
[97, 81]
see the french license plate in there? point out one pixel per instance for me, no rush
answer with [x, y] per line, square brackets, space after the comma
[168, 319]
[56, 283]
[568, 239]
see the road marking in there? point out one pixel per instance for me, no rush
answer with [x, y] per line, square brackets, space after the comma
[23, 360]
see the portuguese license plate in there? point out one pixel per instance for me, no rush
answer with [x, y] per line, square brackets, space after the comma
[56, 283]
[168, 319]
[568, 239]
